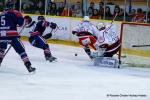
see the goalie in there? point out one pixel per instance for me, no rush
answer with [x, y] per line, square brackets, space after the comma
[108, 42]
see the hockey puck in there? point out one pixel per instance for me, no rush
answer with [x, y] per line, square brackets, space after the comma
[76, 54]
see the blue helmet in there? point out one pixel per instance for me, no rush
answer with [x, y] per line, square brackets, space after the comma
[41, 18]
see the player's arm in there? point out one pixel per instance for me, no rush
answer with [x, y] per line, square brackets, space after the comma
[50, 24]
[75, 30]
[48, 35]
[53, 26]
[19, 18]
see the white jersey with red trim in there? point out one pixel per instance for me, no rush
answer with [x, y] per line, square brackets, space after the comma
[107, 36]
[86, 26]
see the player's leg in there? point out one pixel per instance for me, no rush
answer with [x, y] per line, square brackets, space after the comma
[84, 42]
[40, 42]
[110, 54]
[3, 47]
[88, 51]
[113, 49]
[93, 41]
[19, 48]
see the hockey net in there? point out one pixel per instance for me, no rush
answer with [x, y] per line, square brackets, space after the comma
[135, 44]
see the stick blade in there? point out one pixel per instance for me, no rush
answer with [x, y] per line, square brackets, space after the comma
[140, 45]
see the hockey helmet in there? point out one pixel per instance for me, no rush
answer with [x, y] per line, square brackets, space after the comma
[86, 18]
[100, 25]
[41, 18]
[28, 18]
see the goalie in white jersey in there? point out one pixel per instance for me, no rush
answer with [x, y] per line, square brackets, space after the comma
[86, 32]
[107, 40]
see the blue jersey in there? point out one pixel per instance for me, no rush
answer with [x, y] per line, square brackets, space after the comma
[9, 20]
[39, 28]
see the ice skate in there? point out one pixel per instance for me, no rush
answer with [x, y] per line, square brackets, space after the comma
[51, 59]
[29, 68]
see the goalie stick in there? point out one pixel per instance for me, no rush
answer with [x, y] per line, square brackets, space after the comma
[140, 45]
[111, 23]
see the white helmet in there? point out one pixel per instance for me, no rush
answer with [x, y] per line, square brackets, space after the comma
[86, 18]
[100, 25]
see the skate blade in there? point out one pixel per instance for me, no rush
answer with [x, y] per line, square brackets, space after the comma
[55, 60]
[32, 73]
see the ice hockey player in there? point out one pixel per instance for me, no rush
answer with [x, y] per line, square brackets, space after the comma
[107, 40]
[107, 45]
[9, 20]
[37, 40]
[85, 31]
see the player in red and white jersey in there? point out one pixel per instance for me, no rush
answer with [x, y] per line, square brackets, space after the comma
[107, 39]
[86, 34]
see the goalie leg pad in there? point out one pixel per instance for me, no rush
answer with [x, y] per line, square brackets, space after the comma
[106, 62]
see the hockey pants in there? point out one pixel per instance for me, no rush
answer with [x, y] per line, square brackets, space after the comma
[40, 42]
[16, 44]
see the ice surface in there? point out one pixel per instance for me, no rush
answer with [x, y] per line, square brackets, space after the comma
[70, 78]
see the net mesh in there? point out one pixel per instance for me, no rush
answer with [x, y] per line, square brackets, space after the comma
[135, 44]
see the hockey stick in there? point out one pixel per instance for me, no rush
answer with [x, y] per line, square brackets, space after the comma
[140, 45]
[10, 45]
[111, 22]
[106, 29]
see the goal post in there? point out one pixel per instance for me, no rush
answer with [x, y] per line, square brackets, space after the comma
[135, 44]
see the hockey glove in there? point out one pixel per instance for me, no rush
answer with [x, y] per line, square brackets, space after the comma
[74, 32]
[47, 36]
[53, 25]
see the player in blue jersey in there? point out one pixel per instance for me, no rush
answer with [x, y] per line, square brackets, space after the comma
[9, 20]
[38, 40]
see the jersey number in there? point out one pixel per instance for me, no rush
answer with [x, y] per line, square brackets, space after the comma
[3, 20]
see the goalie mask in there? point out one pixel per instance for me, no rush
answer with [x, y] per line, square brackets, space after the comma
[100, 26]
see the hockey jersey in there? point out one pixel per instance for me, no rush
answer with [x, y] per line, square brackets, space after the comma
[108, 38]
[85, 28]
[39, 28]
[9, 20]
